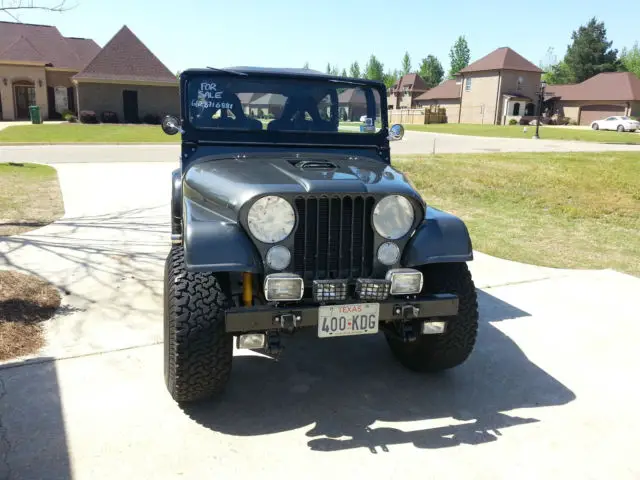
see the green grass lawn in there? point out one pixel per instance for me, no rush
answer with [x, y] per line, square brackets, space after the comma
[82, 133]
[574, 210]
[30, 197]
[549, 132]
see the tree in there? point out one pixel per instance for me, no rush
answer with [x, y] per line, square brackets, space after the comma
[406, 64]
[431, 71]
[344, 72]
[13, 7]
[374, 70]
[354, 70]
[558, 74]
[391, 77]
[332, 70]
[306, 65]
[590, 53]
[460, 54]
[630, 59]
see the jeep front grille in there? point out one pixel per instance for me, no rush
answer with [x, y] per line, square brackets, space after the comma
[334, 237]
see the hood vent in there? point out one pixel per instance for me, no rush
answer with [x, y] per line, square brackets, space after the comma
[316, 165]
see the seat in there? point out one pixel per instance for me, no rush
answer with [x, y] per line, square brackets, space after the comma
[293, 117]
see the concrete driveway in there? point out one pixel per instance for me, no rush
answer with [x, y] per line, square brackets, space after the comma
[425, 142]
[548, 393]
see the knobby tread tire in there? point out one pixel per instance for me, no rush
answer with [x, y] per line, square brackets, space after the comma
[433, 353]
[198, 351]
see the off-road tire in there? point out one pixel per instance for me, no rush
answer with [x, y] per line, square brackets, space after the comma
[434, 353]
[197, 350]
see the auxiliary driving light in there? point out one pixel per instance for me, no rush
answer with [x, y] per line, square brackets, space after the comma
[405, 281]
[329, 290]
[433, 328]
[283, 287]
[251, 340]
[372, 289]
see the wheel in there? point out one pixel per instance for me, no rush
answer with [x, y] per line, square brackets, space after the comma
[433, 353]
[620, 128]
[197, 351]
[595, 126]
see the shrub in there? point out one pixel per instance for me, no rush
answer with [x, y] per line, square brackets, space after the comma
[71, 118]
[88, 116]
[513, 121]
[109, 117]
[152, 119]
[573, 122]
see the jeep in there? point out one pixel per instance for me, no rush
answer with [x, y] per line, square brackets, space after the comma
[287, 214]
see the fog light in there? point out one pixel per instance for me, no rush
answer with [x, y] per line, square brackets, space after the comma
[432, 328]
[281, 287]
[388, 253]
[278, 257]
[372, 289]
[329, 290]
[251, 340]
[405, 281]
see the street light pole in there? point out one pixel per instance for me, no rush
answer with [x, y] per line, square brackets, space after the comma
[543, 85]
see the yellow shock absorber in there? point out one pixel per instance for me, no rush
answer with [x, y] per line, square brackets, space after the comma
[247, 288]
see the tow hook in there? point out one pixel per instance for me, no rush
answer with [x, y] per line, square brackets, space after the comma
[407, 328]
[288, 321]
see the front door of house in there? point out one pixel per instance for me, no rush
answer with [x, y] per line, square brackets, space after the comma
[25, 97]
[130, 106]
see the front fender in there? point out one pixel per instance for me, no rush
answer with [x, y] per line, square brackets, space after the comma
[440, 238]
[213, 243]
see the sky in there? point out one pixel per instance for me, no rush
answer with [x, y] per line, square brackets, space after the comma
[284, 33]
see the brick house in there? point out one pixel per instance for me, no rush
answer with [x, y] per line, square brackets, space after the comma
[39, 66]
[491, 90]
[404, 92]
[598, 97]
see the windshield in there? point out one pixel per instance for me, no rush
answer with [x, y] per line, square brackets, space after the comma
[282, 104]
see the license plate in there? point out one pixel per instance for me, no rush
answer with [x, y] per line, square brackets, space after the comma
[344, 320]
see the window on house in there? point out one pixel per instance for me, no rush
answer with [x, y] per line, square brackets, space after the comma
[467, 85]
[516, 109]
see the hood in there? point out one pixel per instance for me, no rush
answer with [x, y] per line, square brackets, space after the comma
[229, 183]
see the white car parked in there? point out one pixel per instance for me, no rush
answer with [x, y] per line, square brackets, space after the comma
[621, 124]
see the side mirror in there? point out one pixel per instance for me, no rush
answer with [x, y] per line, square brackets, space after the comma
[171, 125]
[396, 132]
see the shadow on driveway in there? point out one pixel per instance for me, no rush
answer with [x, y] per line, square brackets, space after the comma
[343, 386]
[30, 395]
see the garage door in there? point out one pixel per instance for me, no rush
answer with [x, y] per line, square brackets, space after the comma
[589, 113]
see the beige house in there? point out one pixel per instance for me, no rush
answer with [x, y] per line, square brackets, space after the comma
[405, 91]
[36, 66]
[500, 86]
[446, 95]
[601, 96]
[39, 66]
[125, 77]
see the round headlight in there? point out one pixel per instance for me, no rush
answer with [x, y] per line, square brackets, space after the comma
[271, 219]
[388, 253]
[278, 257]
[393, 217]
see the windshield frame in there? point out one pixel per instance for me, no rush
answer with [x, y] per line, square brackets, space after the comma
[191, 133]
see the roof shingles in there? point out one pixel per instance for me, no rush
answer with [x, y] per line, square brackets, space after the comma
[46, 40]
[126, 58]
[613, 86]
[502, 58]
[446, 90]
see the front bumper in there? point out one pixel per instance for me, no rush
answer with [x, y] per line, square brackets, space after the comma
[268, 317]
